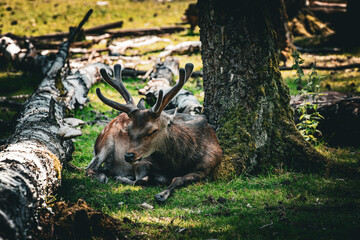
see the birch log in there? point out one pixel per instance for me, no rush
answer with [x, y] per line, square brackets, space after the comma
[31, 162]
[24, 59]
[160, 79]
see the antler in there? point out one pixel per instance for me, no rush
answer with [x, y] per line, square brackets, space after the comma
[120, 87]
[162, 102]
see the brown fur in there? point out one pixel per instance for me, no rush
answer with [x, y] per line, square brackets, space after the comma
[180, 148]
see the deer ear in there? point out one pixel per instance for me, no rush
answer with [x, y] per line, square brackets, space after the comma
[173, 115]
[141, 104]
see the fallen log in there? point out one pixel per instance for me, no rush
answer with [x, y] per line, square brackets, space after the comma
[160, 79]
[340, 125]
[55, 45]
[119, 48]
[145, 31]
[334, 68]
[26, 59]
[318, 50]
[31, 161]
[188, 47]
[100, 29]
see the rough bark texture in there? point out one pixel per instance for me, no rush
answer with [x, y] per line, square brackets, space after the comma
[284, 38]
[30, 163]
[119, 48]
[24, 60]
[188, 47]
[246, 100]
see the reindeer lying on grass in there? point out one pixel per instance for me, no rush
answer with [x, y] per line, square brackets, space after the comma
[148, 145]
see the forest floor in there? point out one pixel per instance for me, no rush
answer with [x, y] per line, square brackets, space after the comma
[278, 204]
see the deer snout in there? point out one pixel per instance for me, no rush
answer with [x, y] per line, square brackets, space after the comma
[129, 157]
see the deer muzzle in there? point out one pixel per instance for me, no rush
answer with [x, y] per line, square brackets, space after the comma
[129, 157]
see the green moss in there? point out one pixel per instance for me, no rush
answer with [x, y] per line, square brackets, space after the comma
[236, 154]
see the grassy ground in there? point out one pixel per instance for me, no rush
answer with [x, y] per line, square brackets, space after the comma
[281, 204]
[36, 17]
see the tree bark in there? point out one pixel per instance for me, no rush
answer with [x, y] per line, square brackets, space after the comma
[246, 100]
[31, 161]
[284, 38]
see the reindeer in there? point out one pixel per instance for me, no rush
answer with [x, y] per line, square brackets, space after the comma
[180, 148]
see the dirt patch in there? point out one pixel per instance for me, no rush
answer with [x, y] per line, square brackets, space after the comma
[79, 221]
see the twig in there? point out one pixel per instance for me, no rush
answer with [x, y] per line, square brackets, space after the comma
[267, 225]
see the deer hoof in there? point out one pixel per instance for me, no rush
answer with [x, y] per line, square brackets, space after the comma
[161, 197]
[102, 178]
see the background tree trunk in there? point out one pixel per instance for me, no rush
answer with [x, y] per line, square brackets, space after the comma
[246, 100]
[284, 38]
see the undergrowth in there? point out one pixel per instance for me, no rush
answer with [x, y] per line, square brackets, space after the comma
[281, 204]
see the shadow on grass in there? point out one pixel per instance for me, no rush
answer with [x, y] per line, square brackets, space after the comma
[276, 206]
[15, 83]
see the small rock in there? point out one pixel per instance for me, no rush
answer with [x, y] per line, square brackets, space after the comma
[146, 206]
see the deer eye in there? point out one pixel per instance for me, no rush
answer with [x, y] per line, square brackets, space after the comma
[151, 133]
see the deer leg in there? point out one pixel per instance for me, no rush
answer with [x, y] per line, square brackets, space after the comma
[142, 173]
[97, 161]
[178, 182]
[124, 180]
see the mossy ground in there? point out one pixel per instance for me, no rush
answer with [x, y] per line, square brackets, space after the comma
[278, 204]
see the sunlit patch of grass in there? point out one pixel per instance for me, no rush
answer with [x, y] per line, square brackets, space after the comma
[291, 204]
[347, 82]
[348, 156]
[280, 204]
[40, 17]
[284, 205]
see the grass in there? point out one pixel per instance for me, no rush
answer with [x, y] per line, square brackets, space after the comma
[37, 17]
[18, 83]
[340, 81]
[295, 205]
[282, 204]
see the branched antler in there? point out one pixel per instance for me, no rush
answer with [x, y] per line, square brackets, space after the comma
[162, 102]
[120, 87]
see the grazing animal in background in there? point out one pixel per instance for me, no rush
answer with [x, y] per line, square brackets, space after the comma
[162, 148]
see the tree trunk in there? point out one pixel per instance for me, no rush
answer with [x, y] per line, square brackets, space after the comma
[246, 100]
[284, 38]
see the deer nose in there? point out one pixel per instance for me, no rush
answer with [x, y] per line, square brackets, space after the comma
[129, 157]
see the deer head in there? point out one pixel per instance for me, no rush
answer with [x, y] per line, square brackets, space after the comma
[148, 127]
